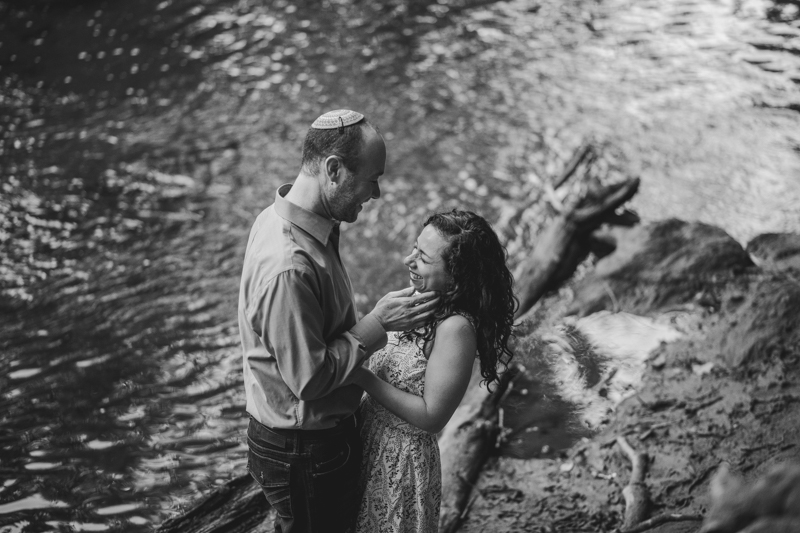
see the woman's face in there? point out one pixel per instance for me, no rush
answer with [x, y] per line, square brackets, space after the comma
[425, 264]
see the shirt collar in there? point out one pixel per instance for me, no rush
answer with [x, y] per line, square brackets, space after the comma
[319, 227]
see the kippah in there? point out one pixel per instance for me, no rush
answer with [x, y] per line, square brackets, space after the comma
[337, 119]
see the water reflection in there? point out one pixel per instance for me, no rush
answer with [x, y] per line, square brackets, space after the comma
[95, 74]
[36, 501]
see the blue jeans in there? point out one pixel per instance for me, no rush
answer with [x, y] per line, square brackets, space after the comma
[308, 476]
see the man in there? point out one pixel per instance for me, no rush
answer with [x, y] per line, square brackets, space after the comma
[300, 333]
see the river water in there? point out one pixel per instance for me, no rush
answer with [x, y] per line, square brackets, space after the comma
[140, 139]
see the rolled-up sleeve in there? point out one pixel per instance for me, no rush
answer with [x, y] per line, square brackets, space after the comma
[289, 319]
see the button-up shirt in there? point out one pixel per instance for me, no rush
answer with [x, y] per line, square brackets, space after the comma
[297, 319]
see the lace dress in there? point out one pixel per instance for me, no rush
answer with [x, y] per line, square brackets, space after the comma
[401, 474]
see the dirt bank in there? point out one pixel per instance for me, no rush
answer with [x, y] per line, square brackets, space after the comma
[728, 389]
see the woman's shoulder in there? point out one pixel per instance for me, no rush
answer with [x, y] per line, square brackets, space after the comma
[457, 331]
[456, 324]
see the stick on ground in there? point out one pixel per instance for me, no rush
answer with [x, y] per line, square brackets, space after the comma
[663, 519]
[637, 499]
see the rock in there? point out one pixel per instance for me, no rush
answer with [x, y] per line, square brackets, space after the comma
[770, 504]
[762, 327]
[659, 265]
[779, 251]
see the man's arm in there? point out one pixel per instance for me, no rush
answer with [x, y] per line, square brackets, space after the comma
[289, 320]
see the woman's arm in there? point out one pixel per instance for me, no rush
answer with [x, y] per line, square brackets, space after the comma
[446, 379]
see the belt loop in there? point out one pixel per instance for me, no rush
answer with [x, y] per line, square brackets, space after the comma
[265, 433]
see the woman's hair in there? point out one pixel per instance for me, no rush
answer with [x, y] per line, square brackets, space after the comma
[481, 287]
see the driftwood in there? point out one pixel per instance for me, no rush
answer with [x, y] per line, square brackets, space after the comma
[236, 507]
[567, 241]
[472, 433]
[663, 519]
[584, 154]
[466, 442]
[637, 499]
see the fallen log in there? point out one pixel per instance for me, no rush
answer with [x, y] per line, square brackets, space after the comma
[236, 507]
[531, 212]
[584, 154]
[466, 442]
[637, 499]
[567, 241]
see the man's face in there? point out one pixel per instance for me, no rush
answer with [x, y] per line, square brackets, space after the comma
[356, 188]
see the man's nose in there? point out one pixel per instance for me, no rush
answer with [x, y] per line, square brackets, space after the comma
[376, 191]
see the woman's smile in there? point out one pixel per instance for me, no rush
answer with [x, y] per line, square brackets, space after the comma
[426, 267]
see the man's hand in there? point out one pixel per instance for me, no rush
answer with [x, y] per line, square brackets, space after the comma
[400, 311]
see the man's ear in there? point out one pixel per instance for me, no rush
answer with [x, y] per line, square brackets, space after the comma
[332, 167]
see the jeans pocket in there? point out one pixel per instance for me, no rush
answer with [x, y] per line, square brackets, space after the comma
[334, 479]
[274, 476]
[327, 459]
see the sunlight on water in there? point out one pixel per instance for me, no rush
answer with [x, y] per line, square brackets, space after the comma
[24, 373]
[42, 466]
[117, 509]
[36, 501]
[147, 478]
[78, 526]
[99, 444]
[93, 361]
[135, 412]
[18, 527]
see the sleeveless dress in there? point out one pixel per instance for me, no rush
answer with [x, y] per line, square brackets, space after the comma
[401, 473]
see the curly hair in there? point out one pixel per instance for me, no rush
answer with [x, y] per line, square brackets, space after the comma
[345, 142]
[482, 288]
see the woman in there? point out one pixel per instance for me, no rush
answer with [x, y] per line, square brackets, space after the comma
[416, 382]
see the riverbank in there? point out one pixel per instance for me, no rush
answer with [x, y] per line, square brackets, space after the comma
[721, 387]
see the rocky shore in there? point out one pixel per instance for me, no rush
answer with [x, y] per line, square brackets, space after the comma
[725, 389]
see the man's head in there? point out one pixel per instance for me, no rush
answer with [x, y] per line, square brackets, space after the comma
[347, 155]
